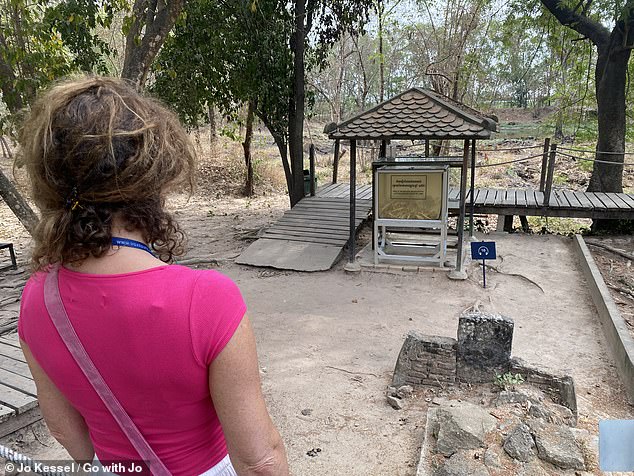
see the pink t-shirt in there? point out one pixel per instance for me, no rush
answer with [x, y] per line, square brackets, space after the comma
[152, 334]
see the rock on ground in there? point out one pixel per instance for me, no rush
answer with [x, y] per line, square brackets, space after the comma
[557, 445]
[461, 425]
[519, 444]
[461, 464]
[491, 459]
[532, 468]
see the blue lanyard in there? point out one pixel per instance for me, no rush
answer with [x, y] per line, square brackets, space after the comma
[116, 241]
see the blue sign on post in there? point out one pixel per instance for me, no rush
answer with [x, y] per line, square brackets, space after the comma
[483, 250]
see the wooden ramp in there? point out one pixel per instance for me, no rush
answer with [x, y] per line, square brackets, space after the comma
[310, 236]
[18, 397]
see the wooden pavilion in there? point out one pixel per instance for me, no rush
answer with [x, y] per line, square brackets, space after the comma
[417, 114]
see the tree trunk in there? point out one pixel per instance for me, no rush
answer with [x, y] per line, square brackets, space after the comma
[152, 21]
[246, 145]
[335, 161]
[611, 81]
[380, 10]
[296, 106]
[213, 127]
[17, 204]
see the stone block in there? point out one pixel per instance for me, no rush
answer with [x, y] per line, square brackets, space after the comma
[484, 346]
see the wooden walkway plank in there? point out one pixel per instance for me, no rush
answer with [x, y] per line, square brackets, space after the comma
[539, 198]
[491, 197]
[328, 225]
[608, 201]
[304, 231]
[18, 382]
[14, 366]
[19, 401]
[618, 199]
[560, 199]
[598, 204]
[583, 199]
[627, 198]
[6, 413]
[305, 239]
[10, 351]
[530, 199]
[11, 339]
[572, 199]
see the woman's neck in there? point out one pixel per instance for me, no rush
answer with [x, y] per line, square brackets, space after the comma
[120, 259]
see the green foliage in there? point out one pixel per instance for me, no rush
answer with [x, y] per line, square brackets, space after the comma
[508, 380]
[244, 56]
[557, 226]
[42, 41]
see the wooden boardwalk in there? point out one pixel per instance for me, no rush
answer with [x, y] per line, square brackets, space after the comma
[18, 397]
[310, 236]
[527, 202]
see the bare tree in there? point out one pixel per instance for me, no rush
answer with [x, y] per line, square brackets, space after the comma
[149, 25]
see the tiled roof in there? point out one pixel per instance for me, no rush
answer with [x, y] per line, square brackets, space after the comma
[417, 114]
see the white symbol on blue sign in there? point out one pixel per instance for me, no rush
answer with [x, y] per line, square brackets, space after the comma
[483, 250]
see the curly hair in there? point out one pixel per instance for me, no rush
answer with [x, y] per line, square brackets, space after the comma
[95, 148]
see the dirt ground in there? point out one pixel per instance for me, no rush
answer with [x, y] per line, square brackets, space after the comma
[328, 342]
[617, 272]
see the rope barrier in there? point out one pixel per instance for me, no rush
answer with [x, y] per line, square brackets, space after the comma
[595, 151]
[25, 461]
[513, 149]
[574, 157]
[510, 149]
[523, 159]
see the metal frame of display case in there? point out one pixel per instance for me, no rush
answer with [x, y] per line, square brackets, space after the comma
[382, 225]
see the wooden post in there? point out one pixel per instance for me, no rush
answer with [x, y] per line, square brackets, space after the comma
[551, 172]
[311, 162]
[473, 171]
[542, 181]
[353, 197]
[335, 162]
[459, 273]
[426, 147]
[383, 152]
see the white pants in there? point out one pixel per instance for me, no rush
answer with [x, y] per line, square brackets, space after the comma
[222, 468]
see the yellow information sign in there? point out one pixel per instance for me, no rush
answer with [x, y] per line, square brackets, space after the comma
[412, 195]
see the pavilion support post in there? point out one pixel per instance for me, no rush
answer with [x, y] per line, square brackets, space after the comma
[542, 181]
[550, 175]
[311, 171]
[383, 152]
[426, 147]
[459, 272]
[352, 265]
[335, 161]
[472, 200]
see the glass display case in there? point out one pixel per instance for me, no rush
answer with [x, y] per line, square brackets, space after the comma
[411, 212]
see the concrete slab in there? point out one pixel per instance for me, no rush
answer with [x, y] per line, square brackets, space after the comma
[293, 255]
[614, 326]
